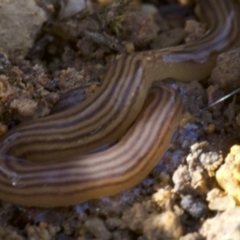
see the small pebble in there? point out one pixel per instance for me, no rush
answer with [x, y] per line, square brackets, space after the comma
[214, 94]
[222, 203]
[194, 30]
[162, 196]
[115, 223]
[149, 8]
[165, 226]
[210, 129]
[20, 23]
[226, 73]
[196, 207]
[3, 129]
[26, 107]
[228, 175]
[74, 6]
[168, 38]
[192, 236]
[223, 226]
[134, 217]
[98, 229]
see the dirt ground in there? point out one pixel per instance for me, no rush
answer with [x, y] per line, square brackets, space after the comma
[49, 47]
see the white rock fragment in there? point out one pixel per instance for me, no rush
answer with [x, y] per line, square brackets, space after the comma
[19, 23]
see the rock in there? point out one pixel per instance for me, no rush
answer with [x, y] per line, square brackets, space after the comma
[71, 7]
[115, 223]
[170, 38]
[223, 226]
[26, 107]
[214, 94]
[135, 217]
[98, 229]
[139, 28]
[194, 30]
[222, 203]
[192, 236]
[196, 207]
[19, 23]
[163, 196]
[43, 231]
[163, 226]
[3, 129]
[149, 8]
[219, 201]
[226, 74]
[228, 175]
